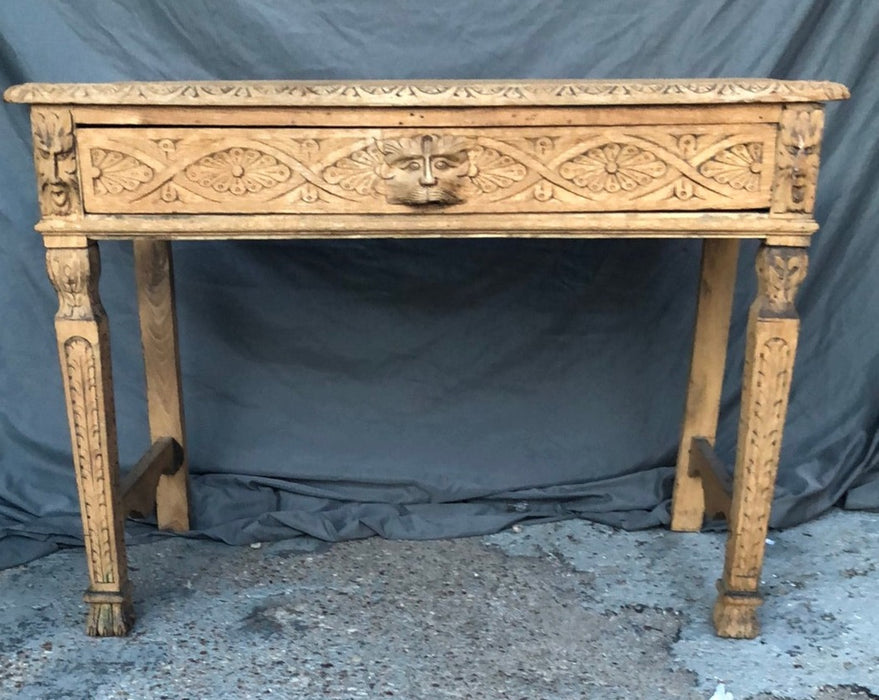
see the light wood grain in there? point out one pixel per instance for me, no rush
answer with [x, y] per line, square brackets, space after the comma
[713, 474]
[387, 93]
[154, 273]
[382, 170]
[716, 287]
[84, 351]
[527, 225]
[771, 345]
[717, 160]
[138, 486]
[456, 117]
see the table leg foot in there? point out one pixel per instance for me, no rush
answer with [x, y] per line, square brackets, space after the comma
[735, 614]
[109, 619]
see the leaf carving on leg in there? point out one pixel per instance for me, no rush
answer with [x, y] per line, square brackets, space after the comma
[90, 453]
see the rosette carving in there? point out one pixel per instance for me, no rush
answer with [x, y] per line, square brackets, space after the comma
[613, 167]
[238, 171]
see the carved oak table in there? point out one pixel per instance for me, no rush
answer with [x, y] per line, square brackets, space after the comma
[718, 160]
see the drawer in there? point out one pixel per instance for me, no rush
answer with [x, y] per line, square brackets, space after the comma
[399, 170]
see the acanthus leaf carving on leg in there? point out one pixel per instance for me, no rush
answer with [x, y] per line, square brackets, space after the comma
[74, 274]
[771, 378]
[90, 459]
[773, 327]
[84, 350]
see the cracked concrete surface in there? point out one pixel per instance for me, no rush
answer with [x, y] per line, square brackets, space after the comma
[566, 610]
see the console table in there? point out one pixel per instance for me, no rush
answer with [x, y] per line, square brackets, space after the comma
[718, 160]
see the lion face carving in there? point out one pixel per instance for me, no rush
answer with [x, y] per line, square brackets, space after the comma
[424, 170]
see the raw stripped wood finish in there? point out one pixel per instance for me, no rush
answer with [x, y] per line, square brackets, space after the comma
[154, 273]
[84, 351]
[141, 482]
[487, 169]
[715, 480]
[714, 159]
[769, 358]
[716, 287]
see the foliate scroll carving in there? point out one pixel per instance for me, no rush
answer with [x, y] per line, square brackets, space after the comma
[55, 160]
[358, 172]
[797, 158]
[520, 169]
[491, 170]
[115, 171]
[780, 272]
[92, 456]
[238, 171]
[739, 166]
[74, 274]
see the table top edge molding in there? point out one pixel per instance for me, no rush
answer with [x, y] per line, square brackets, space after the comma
[387, 93]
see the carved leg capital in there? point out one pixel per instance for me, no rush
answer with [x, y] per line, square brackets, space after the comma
[780, 272]
[84, 351]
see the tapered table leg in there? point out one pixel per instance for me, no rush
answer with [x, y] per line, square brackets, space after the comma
[158, 331]
[84, 350]
[716, 287]
[769, 358]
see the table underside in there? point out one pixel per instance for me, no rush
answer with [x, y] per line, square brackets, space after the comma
[777, 230]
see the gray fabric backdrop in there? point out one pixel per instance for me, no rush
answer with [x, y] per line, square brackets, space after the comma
[435, 388]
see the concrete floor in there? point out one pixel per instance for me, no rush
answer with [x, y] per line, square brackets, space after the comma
[567, 610]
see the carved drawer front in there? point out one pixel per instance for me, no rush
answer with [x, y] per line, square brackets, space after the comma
[549, 169]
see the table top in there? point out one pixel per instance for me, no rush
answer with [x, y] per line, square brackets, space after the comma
[386, 93]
